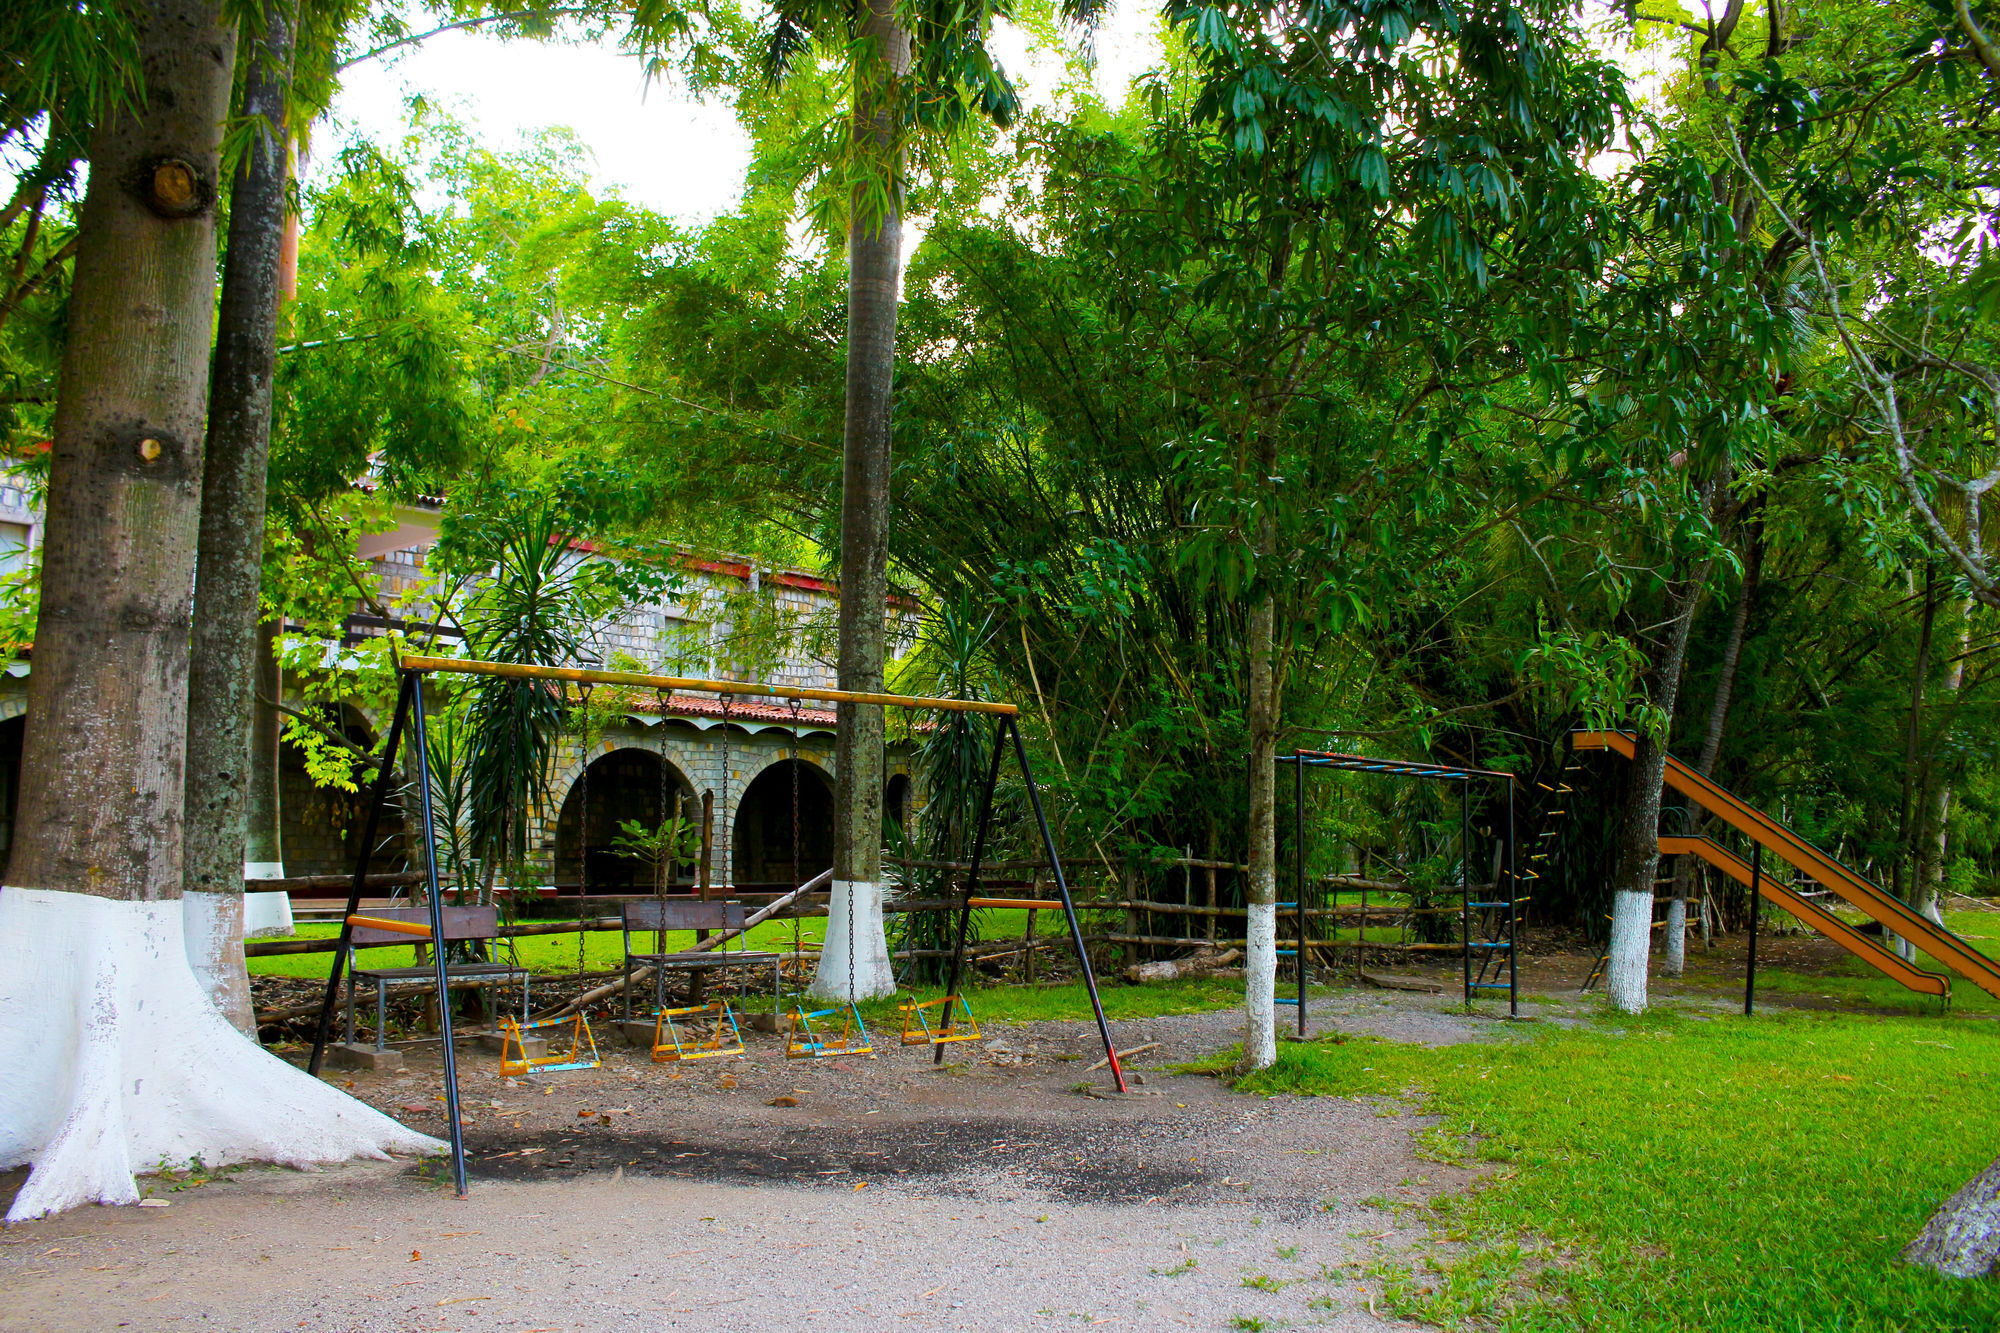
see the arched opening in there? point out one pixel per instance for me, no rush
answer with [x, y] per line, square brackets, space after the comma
[896, 800]
[624, 786]
[322, 826]
[11, 732]
[762, 834]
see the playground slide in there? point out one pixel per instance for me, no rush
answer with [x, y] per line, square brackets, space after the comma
[1855, 889]
[1810, 912]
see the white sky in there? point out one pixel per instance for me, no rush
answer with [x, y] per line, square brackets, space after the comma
[655, 146]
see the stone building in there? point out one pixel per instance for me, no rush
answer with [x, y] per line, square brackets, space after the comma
[754, 772]
[759, 768]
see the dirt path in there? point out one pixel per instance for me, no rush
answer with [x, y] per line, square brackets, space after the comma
[889, 1193]
[991, 1196]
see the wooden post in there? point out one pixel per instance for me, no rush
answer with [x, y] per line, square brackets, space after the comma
[1028, 935]
[1211, 898]
[1131, 913]
[1360, 931]
[702, 879]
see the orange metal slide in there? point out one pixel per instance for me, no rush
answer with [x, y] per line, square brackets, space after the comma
[1856, 890]
[1810, 912]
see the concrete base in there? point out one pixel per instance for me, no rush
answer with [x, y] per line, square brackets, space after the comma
[361, 1055]
[534, 1048]
[637, 1032]
[762, 1022]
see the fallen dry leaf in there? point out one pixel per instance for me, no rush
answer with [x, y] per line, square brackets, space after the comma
[783, 1101]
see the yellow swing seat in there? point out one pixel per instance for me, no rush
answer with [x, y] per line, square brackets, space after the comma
[514, 1058]
[958, 1024]
[671, 1042]
[805, 1042]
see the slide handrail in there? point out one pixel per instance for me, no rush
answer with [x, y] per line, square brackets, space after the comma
[1856, 889]
[1811, 913]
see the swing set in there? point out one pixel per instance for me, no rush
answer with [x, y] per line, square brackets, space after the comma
[953, 1020]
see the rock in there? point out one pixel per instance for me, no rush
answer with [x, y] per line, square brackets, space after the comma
[532, 1048]
[360, 1055]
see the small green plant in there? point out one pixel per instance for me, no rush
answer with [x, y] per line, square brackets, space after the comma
[1185, 1266]
[1248, 1323]
[676, 842]
[1263, 1282]
[1288, 1253]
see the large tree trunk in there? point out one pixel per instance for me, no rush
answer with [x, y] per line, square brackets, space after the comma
[855, 961]
[1962, 1239]
[222, 671]
[1675, 962]
[1639, 829]
[1260, 969]
[1933, 841]
[1903, 880]
[264, 839]
[115, 1059]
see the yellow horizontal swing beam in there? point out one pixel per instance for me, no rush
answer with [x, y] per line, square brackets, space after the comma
[417, 928]
[467, 666]
[1025, 904]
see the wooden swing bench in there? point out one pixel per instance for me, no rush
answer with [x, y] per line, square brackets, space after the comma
[659, 915]
[402, 925]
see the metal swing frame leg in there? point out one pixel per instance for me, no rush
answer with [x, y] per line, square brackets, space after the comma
[1004, 728]
[410, 709]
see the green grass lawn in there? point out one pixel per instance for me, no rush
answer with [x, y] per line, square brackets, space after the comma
[1669, 1173]
[1852, 982]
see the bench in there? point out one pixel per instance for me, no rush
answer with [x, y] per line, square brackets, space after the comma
[656, 915]
[460, 923]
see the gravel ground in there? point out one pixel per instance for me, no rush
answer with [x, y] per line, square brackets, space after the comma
[987, 1195]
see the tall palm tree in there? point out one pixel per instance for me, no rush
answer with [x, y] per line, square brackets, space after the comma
[914, 66]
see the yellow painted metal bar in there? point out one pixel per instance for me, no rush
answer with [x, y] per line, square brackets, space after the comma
[1753, 823]
[417, 928]
[466, 666]
[1811, 913]
[1027, 904]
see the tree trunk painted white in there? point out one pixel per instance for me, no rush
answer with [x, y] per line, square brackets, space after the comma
[1638, 844]
[874, 271]
[1260, 985]
[872, 977]
[212, 925]
[1677, 932]
[223, 652]
[1260, 949]
[117, 1062]
[1962, 1239]
[1631, 938]
[114, 1058]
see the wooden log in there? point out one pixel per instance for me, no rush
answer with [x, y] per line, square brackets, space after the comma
[1401, 983]
[1122, 1056]
[336, 884]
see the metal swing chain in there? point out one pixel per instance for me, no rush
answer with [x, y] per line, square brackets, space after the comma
[798, 942]
[664, 871]
[722, 842]
[583, 830]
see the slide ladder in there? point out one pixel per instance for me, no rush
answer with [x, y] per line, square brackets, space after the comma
[1855, 889]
